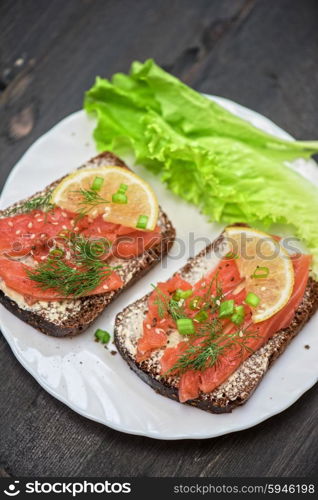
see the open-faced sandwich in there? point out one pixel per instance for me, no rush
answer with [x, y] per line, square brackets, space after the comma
[68, 251]
[208, 335]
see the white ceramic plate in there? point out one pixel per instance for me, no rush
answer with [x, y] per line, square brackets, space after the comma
[87, 377]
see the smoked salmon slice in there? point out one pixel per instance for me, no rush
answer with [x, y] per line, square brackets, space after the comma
[35, 233]
[213, 377]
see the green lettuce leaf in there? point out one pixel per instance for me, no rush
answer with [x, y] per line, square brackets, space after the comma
[231, 170]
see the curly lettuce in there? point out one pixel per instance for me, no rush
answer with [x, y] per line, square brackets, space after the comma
[230, 169]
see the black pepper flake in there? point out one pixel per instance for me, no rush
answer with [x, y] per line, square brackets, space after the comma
[307, 346]
[113, 353]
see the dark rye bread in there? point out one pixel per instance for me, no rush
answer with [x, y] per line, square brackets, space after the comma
[241, 385]
[70, 317]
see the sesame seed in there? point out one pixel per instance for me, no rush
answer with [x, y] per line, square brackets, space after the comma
[55, 223]
[159, 330]
[43, 257]
[30, 225]
[162, 321]
[105, 287]
[32, 236]
[148, 326]
[64, 214]
[43, 235]
[99, 230]
[106, 213]
[10, 223]
[72, 223]
[76, 228]
[39, 220]
[263, 288]
[64, 227]
[18, 231]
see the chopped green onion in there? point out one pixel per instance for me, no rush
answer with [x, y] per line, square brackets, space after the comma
[142, 222]
[239, 314]
[260, 272]
[237, 319]
[119, 198]
[195, 303]
[97, 183]
[252, 299]
[122, 188]
[57, 252]
[185, 326]
[226, 309]
[231, 255]
[102, 335]
[182, 294]
[240, 310]
[201, 316]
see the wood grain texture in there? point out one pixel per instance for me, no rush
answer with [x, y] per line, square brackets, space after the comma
[261, 53]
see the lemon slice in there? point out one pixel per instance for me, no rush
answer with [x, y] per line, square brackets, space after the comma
[139, 210]
[266, 267]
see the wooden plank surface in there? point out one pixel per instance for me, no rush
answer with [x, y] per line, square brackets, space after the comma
[262, 54]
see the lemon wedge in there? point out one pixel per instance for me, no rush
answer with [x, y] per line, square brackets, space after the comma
[116, 193]
[266, 267]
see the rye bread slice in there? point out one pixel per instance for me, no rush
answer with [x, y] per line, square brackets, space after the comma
[70, 317]
[239, 386]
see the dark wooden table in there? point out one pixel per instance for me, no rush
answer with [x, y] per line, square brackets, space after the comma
[260, 53]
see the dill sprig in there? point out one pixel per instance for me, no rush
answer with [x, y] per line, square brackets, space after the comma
[161, 301]
[166, 305]
[207, 352]
[67, 280]
[85, 251]
[90, 199]
[176, 309]
[81, 274]
[38, 203]
[210, 301]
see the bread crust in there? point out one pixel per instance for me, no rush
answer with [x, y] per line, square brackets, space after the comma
[241, 385]
[79, 314]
